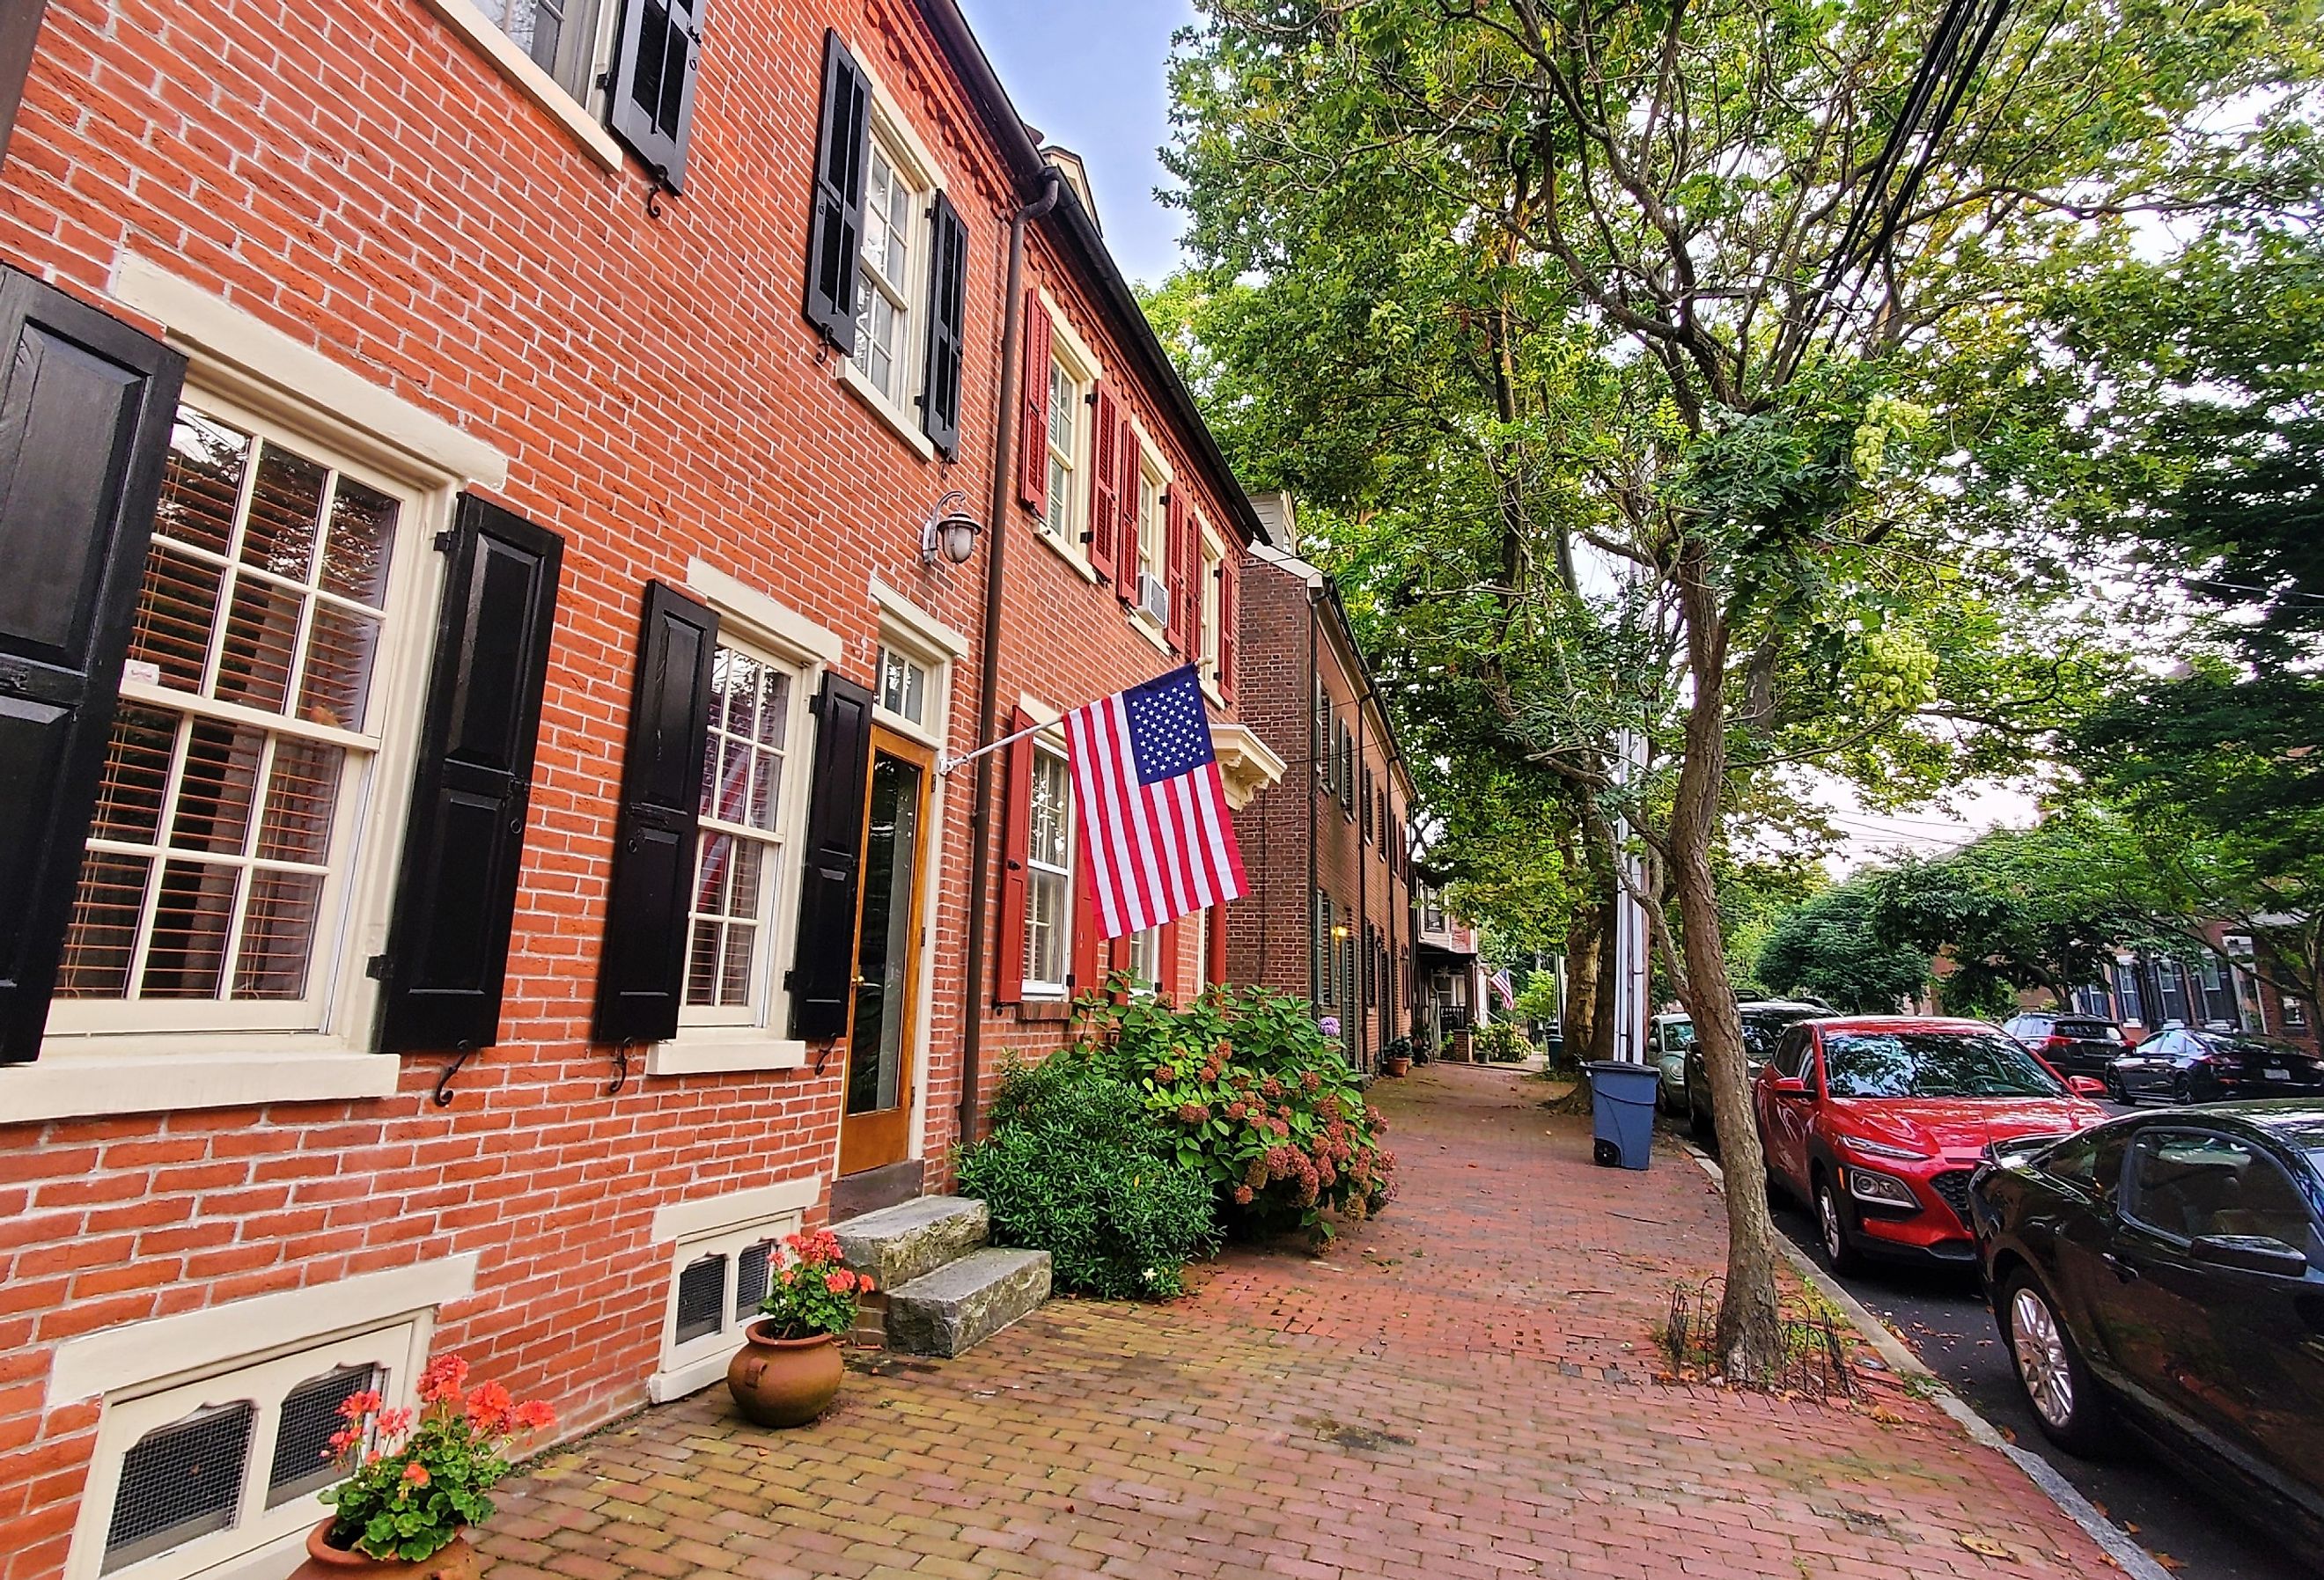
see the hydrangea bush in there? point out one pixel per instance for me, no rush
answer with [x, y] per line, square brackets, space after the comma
[415, 1478]
[1256, 1094]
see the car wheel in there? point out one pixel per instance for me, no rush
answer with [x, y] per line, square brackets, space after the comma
[2065, 1398]
[2182, 1090]
[1831, 1228]
[2114, 1089]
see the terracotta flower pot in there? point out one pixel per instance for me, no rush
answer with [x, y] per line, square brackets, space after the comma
[456, 1561]
[784, 1381]
[1396, 1065]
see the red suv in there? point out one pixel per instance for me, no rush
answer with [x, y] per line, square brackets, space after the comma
[1877, 1121]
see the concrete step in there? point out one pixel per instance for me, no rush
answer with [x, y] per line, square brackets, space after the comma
[899, 1243]
[966, 1301]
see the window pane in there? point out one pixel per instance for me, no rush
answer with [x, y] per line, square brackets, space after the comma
[303, 790]
[701, 1298]
[2199, 1185]
[750, 1279]
[103, 930]
[191, 914]
[217, 788]
[1044, 906]
[176, 608]
[742, 692]
[179, 1482]
[363, 537]
[261, 633]
[202, 486]
[702, 965]
[136, 768]
[278, 934]
[775, 709]
[286, 513]
[337, 681]
[302, 1433]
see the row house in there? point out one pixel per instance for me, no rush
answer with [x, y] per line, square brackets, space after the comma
[1452, 1001]
[2147, 989]
[511, 509]
[1328, 848]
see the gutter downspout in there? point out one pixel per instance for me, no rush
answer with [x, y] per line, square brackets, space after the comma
[1363, 890]
[1320, 951]
[988, 680]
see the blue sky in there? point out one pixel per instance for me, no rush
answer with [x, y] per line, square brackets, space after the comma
[1090, 74]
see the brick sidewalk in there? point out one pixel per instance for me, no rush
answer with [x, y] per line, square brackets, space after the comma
[1464, 1388]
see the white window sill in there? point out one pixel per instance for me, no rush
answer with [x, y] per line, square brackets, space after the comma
[694, 1376]
[845, 369]
[1211, 689]
[707, 1053]
[530, 80]
[68, 1087]
[1080, 565]
[1143, 623]
[1044, 995]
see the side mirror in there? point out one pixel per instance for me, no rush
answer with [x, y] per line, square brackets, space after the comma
[2251, 1253]
[2085, 1087]
[1789, 1086]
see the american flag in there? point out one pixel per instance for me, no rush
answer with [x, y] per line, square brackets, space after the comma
[1156, 839]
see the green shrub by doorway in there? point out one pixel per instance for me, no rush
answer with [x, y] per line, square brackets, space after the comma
[1074, 1167]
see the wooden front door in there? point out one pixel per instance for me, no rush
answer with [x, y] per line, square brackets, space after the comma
[875, 1122]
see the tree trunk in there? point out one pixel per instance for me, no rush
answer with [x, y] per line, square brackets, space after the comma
[1750, 1330]
[1579, 1012]
[1610, 986]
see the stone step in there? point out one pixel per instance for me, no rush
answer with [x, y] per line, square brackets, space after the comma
[899, 1243]
[966, 1301]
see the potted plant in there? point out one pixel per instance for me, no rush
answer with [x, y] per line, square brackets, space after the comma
[788, 1369]
[415, 1481]
[1395, 1058]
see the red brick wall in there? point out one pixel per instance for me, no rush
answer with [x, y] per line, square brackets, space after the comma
[355, 174]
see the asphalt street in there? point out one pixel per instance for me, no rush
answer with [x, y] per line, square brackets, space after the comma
[1942, 1315]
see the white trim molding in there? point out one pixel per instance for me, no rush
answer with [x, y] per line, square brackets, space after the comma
[61, 1086]
[916, 624]
[165, 1349]
[699, 1050]
[1246, 764]
[733, 595]
[228, 336]
[713, 1214]
[530, 80]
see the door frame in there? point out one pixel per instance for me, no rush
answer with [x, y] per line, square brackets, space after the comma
[908, 1000]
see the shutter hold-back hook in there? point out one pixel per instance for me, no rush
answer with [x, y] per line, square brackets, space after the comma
[621, 1068]
[657, 181]
[444, 1082]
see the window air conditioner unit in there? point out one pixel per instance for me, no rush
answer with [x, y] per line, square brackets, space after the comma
[1153, 598]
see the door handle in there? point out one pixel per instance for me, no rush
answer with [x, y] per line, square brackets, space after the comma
[2124, 1271]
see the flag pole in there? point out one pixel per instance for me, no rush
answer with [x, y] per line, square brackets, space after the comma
[947, 763]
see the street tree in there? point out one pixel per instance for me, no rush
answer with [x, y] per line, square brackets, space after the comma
[1643, 355]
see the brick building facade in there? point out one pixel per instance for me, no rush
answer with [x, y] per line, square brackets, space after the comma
[1329, 913]
[477, 869]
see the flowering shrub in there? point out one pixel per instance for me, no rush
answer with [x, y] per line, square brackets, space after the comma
[1076, 1167]
[1257, 1096]
[813, 1291]
[416, 1479]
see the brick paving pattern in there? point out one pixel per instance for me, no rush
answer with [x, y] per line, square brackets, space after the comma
[1463, 1389]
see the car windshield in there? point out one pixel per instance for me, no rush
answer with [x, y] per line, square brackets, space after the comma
[1762, 1028]
[1678, 1034]
[1932, 1064]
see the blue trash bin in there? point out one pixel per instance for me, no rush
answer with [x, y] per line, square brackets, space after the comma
[1622, 1111]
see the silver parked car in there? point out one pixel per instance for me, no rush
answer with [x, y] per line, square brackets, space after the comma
[1667, 1040]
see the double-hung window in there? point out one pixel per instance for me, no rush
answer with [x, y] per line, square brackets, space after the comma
[743, 839]
[1048, 877]
[886, 282]
[559, 36]
[1207, 610]
[1065, 442]
[1146, 962]
[1153, 532]
[223, 856]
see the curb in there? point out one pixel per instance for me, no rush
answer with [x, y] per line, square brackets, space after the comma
[1898, 1356]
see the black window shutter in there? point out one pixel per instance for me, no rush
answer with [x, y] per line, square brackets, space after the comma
[835, 237]
[947, 312]
[456, 893]
[640, 974]
[85, 410]
[825, 965]
[652, 83]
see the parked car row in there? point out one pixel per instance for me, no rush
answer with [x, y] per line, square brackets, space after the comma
[2177, 1064]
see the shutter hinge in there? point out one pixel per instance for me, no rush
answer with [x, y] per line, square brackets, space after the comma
[444, 540]
[791, 980]
[376, 967]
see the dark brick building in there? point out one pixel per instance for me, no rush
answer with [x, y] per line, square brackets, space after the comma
[1327, 846]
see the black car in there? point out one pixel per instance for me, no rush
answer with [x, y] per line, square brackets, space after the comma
[2165, 1272]
[1764, 1021]
[2186, 1065]
[2069, 1044]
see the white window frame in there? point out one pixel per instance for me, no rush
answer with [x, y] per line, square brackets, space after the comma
[1050, 746]
[578, 119]
[1146, 974]
[1071, 354]
[892, 136]
[1206, 645]
[750, 619]
[266, 1377]
[249, 374]
[724, 1225]
[781, 857]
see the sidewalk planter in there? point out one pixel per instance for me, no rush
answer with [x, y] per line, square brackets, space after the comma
[784, 1381]
[456, 1561]
[1397, 1064]
[1622, 1112]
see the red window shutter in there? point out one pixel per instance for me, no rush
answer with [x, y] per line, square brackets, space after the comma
[1033, 435]
[1184, 591]
[1165, 968]
[1105, 485]
[1090, 952]
[1117, 961]
[1016, 844]
[1215, 938]
[1229, 637]
[1133, 477]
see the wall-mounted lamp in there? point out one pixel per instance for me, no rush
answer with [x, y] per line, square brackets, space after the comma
[950, 533]
[1340, 932]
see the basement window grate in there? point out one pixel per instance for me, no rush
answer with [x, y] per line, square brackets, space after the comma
[302, 1434]
[179, 1482]
[751, 1275]
[701, 1298]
